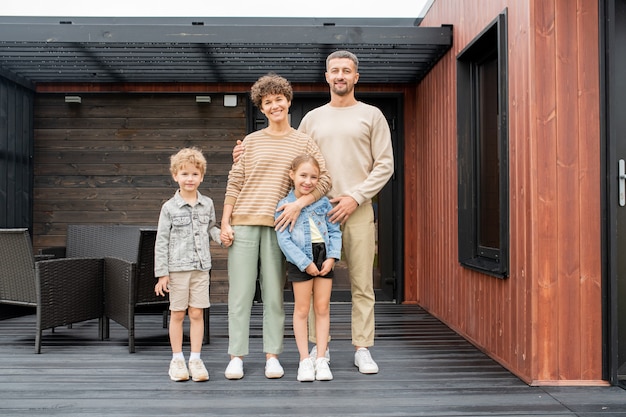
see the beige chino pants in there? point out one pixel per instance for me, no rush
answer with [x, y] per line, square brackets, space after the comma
[358, 244]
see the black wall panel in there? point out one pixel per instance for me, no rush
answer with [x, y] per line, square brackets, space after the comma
[16, 155]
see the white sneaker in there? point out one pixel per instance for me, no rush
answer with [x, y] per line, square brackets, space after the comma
[322, 371]
[197, 370]
[234, 370]
[313, 354]
[363, 360]
[273, 369]
[178, 370]
[306, 370]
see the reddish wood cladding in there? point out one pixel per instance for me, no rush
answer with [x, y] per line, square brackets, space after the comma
[544, 322]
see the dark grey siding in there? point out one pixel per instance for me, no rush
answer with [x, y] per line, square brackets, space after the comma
[16, 155]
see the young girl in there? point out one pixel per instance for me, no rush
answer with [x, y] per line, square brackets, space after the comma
[311, 249]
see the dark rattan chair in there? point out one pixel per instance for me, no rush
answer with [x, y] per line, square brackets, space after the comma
[126, 292]
[63, 291]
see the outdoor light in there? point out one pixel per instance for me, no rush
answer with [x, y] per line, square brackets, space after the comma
[73, 99]
[230, 100]
[203, 99]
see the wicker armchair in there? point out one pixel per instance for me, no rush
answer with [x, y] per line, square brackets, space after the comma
[63, 291]
[127, 288]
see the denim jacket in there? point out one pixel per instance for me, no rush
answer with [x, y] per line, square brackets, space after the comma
[296, 244]
[182, 241]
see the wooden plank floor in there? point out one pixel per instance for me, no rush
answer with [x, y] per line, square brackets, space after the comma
[426, 370]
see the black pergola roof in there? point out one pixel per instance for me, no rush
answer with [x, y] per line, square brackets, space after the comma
[213, 50]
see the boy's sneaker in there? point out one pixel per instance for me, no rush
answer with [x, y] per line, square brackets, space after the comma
[322, 371]
[306, 370]
[178, 370]
[273, 369]
[313, 354]
[234, 370]
[363, 360]
[197, 370]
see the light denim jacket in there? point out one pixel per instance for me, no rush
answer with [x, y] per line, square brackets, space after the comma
[296, 245]
[182, 241]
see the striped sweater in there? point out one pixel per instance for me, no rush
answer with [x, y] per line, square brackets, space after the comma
[261, 176]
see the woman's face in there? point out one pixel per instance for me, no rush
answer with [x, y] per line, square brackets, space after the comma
[275, 107]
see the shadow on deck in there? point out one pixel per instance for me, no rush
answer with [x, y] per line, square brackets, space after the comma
[425, 370]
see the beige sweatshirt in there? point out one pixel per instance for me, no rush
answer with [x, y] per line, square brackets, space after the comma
[356, 144]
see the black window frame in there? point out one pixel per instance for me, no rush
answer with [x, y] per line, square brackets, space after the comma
[492, 40]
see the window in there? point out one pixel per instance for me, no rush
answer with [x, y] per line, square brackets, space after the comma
[482, 124]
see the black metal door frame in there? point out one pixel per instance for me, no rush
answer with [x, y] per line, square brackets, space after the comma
[613, 140]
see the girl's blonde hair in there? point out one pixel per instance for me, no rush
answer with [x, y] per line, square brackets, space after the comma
[303, 158]
[186, 156]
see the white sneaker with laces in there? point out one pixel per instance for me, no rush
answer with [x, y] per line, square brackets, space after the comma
[178, 370]
[322, 371]
[234, 370]
[273, 369]
[197, 370]
[363, 360]
[306, 370]
[313, 354]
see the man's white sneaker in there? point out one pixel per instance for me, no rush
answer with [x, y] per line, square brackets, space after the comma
[313, 354]
[322, 371]
[363, 360]
[306, 370]
[234, 370]
[198, 371]
[273, 369]
[178, 370]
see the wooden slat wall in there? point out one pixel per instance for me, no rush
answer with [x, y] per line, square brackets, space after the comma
[107, 160]
[16, 147]
[544, 322]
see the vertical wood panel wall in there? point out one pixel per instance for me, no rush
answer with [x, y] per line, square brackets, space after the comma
[544, 321]
[16, 152]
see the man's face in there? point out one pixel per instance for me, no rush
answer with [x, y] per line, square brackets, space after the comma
[341, 76]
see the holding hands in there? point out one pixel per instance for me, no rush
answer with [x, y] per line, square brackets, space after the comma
[227, 235]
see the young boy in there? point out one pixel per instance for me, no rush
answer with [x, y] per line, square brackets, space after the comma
[182, 260]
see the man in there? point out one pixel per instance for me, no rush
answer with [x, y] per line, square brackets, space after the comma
[355, 141]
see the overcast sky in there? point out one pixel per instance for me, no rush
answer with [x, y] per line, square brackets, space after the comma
[214, 8]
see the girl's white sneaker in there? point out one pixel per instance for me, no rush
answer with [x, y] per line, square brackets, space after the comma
[306, 370]
[322, 370]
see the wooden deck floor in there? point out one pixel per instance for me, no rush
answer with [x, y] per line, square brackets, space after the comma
[426, 370]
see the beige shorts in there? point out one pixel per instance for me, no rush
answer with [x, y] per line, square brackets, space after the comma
[189, 289]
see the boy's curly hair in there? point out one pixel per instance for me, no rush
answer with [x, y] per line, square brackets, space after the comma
[185, 156]
[270, 84]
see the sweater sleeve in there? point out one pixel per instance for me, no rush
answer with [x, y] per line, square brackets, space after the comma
[235, 181]
[324, 182]
[383, 165]
[161, 246]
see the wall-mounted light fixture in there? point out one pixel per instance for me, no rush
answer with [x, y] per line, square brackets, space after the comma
[203, 99]
[73, 99]
[230, 100]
